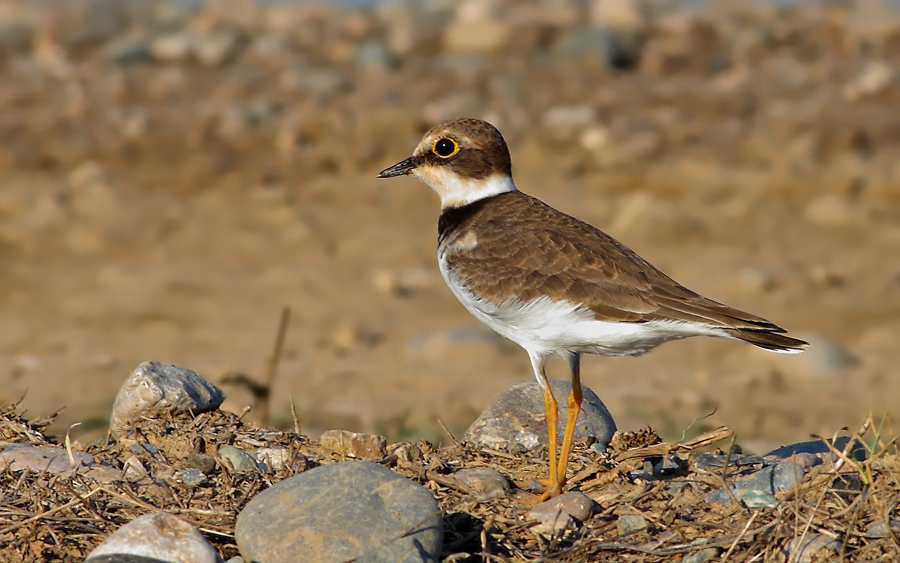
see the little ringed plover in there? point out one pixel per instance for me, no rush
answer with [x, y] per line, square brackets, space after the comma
[549, 282]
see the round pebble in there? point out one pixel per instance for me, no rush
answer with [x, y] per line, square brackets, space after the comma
[515, 420]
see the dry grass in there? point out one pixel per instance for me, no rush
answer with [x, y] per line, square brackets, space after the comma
[62, 517]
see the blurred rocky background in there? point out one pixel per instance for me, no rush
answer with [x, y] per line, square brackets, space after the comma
[174, 173]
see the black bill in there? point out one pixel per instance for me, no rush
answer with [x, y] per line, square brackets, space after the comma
[399, 169]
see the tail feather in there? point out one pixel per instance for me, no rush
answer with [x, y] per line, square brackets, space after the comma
[769, 340]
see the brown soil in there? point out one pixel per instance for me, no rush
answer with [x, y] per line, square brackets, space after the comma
[139, 221]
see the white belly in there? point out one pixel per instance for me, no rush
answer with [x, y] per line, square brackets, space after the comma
[544, 326]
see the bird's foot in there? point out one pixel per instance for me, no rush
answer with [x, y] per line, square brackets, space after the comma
[547, 491]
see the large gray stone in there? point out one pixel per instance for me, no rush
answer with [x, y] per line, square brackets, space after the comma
[353, 510]
[155, 387]
[515, 420]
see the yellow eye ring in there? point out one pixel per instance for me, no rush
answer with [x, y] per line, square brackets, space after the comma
[445, 147]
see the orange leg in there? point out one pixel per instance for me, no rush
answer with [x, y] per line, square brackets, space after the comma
[574, 404]
[554, 487]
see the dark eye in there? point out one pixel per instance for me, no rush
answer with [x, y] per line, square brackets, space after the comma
[445, 148]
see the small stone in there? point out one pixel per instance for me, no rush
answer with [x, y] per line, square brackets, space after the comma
[341, 512]
[553, 523]
[577, 505]
[630, 523]
[161, 536]
[190, 477]
[670, 465]
[759, 499]
[239, 460]
[483, 484]
[712, 462]
[155, 387]
[42, 458]
[767, 481]
[515, 420]
[143, 448]
[354, 445]
[701, 556]
[201, 462]
[133, 468]
[678, 487]
[274, 458]
[599, 448]
[880, 530]
[804, 548]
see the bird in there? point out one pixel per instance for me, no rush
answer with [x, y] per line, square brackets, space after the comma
[549, 282]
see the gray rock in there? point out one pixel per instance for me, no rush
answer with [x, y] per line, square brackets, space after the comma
[713, 462]
[767, 481]
[630, 523]
[190, 477]
[670, 464]
[701, 556]
[802, 549]
[678, 487]
[42, 458]
[160, 536]
[551, 522]
[880, 530]
[561, 512]
[819, 449]
[143, 448]
[346, 511]
[155, 387]
[759, 499]
[239, 460]
[515, 420]
[484, 484]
